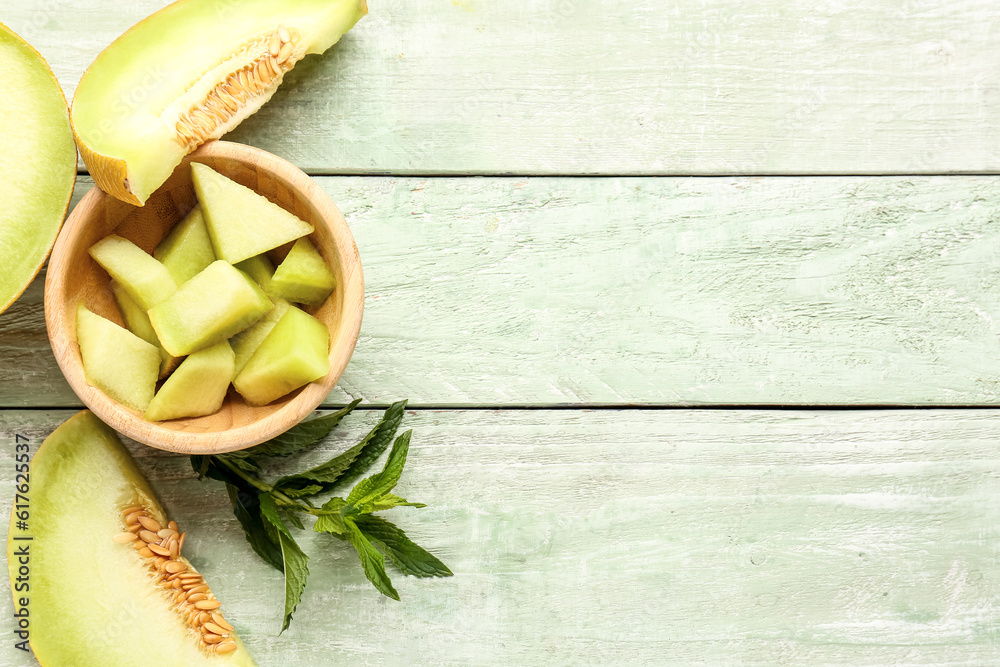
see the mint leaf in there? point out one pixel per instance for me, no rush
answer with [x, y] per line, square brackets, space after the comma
[300, 436]
[371, 560]
[333, 521]
[371, 488]
[389, 500]
[349, 464]
[295, 561]
[245, 507]
[303, 492]
[407, 556]
[294, 519]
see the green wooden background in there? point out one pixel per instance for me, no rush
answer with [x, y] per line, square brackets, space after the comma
[697, 307]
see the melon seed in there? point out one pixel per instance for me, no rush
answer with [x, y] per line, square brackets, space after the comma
[148, 536]
[225, 647]
[221, 622]
[150, 523]
[207, 605]
[124, 538]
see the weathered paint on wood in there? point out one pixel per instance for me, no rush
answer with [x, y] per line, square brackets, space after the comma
[638, 537]
[597, 86]
[542, 291]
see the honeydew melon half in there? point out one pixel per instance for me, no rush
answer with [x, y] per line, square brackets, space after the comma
[189, 73]
[93, 600]
[37, 163]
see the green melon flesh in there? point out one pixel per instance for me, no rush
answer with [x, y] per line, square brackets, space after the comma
[90, 598]
[241, 222]
[294, 353]
[116, 361]
[187, 249]
[127, 105]
[137, 322]
[197, 387]
[37, 163]
[215, 304]
[146, 280]
[259, 268]
[246, 342]
[303, 277]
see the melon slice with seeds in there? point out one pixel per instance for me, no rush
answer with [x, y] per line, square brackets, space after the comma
[101, 592]
[37, 163]
[189, 73]
[241, 222]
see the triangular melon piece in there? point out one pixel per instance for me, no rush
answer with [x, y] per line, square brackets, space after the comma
[145, 279]
[246, 342]
[187, 249]
[303, 277]
[258, 267]
[197, 387]
[241, 222]
[137, 321]
[295, 353]
[215, 304]
[116, 361]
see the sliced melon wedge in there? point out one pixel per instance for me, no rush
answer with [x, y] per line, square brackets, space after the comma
[215, 304]
[247, 341]
[293, 354]
[99, 595]
[303, 277]
[137, 321]
[241, 222]
[197, 387]
[146, 280]
[189, 73]
[37, 163]
[116, 361]
[187, 249]
[259, 268]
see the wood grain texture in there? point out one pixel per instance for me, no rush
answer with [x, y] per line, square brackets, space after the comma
[577, 291]
[595, 86]
[639, 537]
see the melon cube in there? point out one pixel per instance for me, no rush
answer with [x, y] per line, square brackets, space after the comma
[303, 277]
[137, 321]
[146, 280]
[295, 353]
[187, 249]
[247, 341]
[116, 361]
[258, 267]
[197, 387]
[241, 222]
[215, 304]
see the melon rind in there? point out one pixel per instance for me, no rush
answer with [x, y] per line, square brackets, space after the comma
[92, 601]
[37, 163]
[125, 107]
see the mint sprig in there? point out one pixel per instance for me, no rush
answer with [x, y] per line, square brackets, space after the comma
[264, 510]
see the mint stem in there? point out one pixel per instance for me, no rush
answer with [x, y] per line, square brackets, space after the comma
[279, 497]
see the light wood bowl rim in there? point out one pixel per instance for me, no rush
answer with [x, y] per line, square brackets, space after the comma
[61, 327]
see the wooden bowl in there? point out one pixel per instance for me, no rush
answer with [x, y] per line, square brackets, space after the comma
[73, 277]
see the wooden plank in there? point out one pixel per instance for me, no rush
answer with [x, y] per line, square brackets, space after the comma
[580, 291]
[567, 86]
[638, 537]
